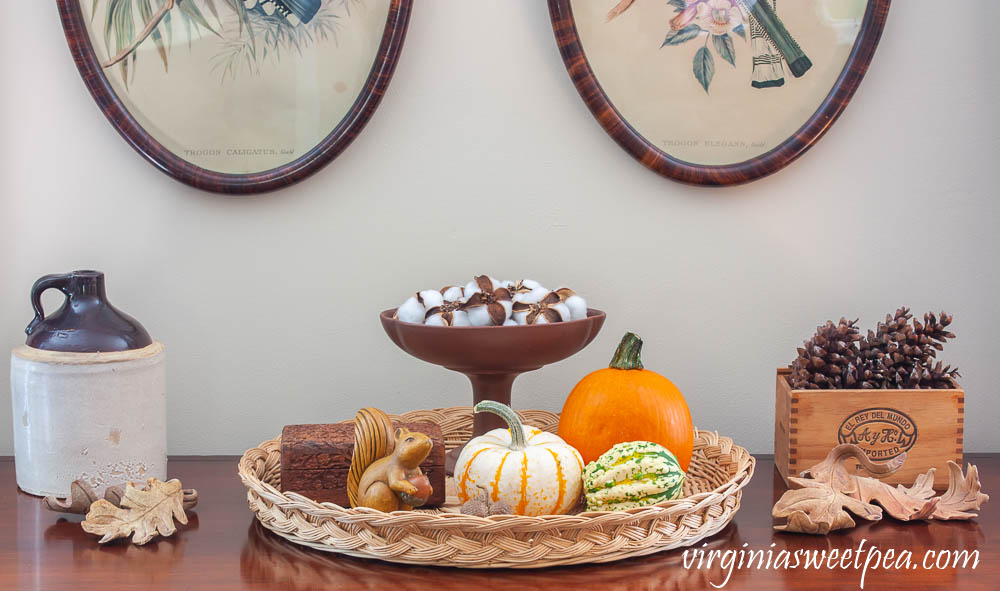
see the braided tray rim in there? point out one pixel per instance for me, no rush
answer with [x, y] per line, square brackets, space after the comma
[718, 471]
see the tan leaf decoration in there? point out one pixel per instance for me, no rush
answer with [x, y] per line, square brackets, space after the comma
[963, 494]
[896, 501]
[144, 513]
[816, 508]
[821, 504]
[833, 470]
[82, 496]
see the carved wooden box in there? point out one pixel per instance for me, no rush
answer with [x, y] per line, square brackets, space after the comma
[315, 460]
[926, 424]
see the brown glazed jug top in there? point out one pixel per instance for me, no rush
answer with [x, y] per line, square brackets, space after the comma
[86, 322]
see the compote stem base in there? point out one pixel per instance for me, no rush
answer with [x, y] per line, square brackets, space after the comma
[485, 386]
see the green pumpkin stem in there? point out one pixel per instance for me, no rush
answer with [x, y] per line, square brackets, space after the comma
[517, 441]
[627, 356]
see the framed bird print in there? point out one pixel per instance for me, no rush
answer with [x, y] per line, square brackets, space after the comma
[717, 92]
[237, 96]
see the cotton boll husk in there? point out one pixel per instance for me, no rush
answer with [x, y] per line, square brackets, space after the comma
[460, 318]
[431, 298]
[577, 306]
[563, 310]
[473, 287]
[453, 293]
[411, 311]
[479, 316]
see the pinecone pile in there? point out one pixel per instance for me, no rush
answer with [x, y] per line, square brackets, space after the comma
[900, 353]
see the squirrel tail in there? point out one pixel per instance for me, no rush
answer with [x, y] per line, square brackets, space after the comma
[372, 440]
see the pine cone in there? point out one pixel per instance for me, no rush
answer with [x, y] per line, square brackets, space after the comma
[829, 359]
[899, 353]
[902, 352]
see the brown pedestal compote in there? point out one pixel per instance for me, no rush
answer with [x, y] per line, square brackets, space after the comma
[492, 356]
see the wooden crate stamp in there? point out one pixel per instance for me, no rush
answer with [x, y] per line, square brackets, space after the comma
[926, 424]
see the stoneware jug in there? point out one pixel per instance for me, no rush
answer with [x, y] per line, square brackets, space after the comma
[89, 393]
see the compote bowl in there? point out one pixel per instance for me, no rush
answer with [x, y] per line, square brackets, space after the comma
[492, 356]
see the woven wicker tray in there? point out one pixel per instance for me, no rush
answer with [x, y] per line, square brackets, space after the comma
[719, 470]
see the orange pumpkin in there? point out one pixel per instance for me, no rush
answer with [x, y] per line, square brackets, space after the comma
[625, 402]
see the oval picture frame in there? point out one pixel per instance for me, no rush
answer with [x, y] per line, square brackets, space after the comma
[367, 101]
[618, 127]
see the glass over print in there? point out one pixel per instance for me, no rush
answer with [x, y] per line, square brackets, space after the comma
[717, 81]
[237, 86]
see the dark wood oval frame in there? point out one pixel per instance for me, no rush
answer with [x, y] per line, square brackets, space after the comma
[166, 161]
[568, 40]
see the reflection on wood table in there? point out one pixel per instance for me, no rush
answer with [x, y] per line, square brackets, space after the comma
[224, 548]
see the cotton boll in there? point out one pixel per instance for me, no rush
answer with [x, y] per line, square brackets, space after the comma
[563, 310]
[508, 307]
[431, 298]
[452, 293]
[532, 284]
[460, 318]
[510, 322]
[532, 297]
[520, 317]
[479, 316]
[411, 311]
[577, 307]
[435, 320]
[508, 284]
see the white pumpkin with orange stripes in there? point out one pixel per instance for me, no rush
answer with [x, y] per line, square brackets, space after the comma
[535, 472]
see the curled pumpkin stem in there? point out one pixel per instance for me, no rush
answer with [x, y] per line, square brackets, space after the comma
[517, 441]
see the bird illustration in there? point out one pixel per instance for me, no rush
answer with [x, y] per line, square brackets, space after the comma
[296, 12]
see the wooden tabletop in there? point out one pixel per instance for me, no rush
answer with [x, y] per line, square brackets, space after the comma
[223, 548]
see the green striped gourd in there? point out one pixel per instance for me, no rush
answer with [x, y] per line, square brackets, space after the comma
[632, 474]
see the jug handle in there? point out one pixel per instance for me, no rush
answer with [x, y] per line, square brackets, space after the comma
[60, 282]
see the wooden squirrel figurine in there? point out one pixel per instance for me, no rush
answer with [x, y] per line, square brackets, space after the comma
[385, 468]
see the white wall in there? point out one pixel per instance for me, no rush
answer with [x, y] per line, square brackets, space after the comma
[483, 158]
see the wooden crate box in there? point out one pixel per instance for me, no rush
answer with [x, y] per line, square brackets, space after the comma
[926, 424]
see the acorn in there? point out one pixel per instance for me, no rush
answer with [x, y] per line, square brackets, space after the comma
[499, 508]
[424, 491]
[475, 507]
